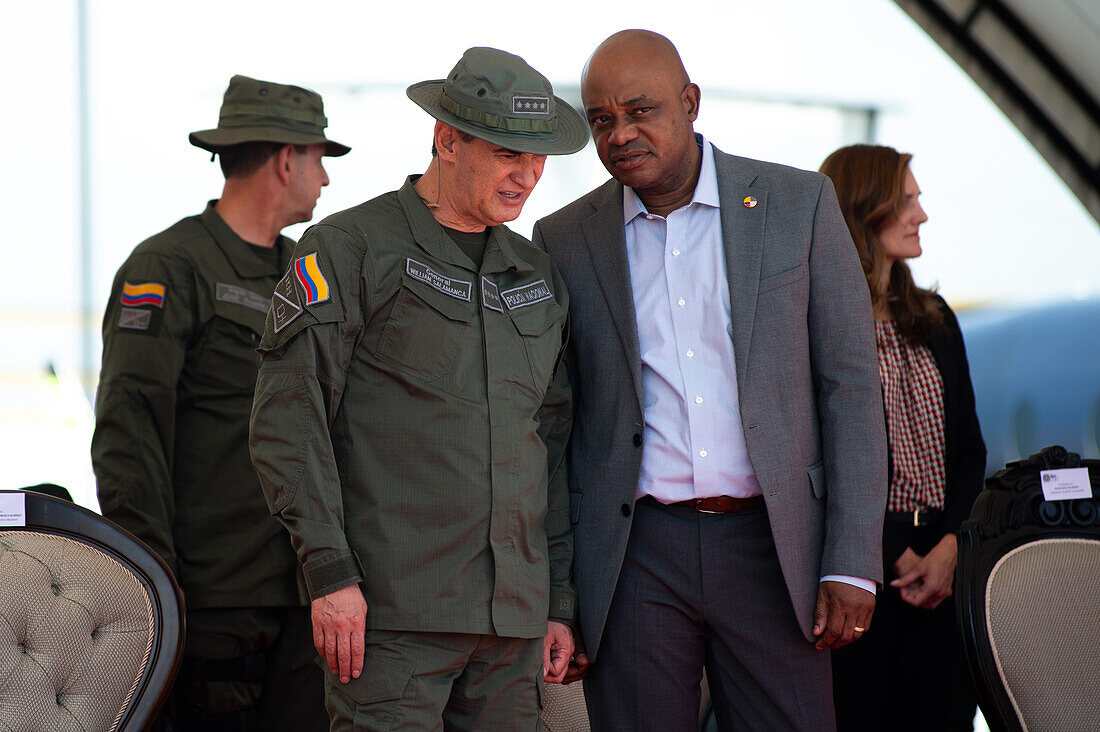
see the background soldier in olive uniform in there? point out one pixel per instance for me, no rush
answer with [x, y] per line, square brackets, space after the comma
[411, 419]
[170, 448]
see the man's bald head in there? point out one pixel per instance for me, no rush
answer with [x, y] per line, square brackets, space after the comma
[640, 106]
[638, 47]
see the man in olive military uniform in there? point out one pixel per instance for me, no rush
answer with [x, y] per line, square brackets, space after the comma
[170, 449]
[411, 419]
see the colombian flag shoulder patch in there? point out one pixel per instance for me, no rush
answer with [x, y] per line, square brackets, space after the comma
[143, 293]
[312, 280]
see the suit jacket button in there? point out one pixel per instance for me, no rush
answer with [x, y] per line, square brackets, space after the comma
[637, 440]
[626, 509]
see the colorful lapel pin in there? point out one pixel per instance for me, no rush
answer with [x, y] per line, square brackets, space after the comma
[750, 202]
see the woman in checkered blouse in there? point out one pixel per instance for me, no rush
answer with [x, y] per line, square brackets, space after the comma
[907, 671]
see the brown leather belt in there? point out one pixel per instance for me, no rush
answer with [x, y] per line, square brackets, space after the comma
[721, 504]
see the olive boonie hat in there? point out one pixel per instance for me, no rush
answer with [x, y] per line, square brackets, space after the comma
[262, 111]
[498, 97]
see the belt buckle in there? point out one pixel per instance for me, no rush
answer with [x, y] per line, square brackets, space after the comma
[916, 517]
[699, 508]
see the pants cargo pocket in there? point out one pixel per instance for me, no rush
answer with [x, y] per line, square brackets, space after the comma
[369, 702]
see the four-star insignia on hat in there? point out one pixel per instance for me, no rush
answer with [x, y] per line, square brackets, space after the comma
[531, 105]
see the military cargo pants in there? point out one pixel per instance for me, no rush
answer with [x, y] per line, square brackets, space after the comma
[440, 681]
[247, 669]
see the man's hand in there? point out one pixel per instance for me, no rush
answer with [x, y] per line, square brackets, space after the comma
[578, 665]
[339, 622]
[927, 581]
[841, 608]
[557, 649]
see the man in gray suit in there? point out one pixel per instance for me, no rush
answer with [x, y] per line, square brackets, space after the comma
[727, 465]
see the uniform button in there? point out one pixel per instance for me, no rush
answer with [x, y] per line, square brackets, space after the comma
[637, 440]
[625, 509]
[702, 453]
[698, 400]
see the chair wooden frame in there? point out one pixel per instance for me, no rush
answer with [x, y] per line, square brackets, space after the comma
[48, 515]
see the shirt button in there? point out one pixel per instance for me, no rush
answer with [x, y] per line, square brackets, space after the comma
[698, 400]
[649, 216]
[680, 302]
[625, 509]
[637, 440]
[702, 453]
[675, 252]
[690, 353]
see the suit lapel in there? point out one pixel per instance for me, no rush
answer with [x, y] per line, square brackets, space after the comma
[743, 241]
[606, 242]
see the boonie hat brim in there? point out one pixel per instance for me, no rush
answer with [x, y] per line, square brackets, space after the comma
[220, 138]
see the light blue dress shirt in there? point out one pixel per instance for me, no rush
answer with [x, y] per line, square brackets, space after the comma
[694, 439]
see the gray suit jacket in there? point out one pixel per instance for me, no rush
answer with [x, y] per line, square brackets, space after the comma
[807, 376]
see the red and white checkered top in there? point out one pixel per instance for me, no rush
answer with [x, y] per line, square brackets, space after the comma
[912, 389]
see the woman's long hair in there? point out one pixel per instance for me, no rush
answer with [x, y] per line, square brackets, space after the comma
[869, 181]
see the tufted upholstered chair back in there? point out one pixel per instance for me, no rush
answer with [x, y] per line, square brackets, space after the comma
[563, 708]
[90, 623]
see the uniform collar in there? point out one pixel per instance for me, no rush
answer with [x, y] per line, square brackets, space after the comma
[499, 256]
[239, 252]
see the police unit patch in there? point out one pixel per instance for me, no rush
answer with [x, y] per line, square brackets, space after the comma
[531, 105]
[313, 282]
[285, 303]
[241, 296]
[519, 297]
[490, 297]
[458, 289]
[135, 318]
[144, 293]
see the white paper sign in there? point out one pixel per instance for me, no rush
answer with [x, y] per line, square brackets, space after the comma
[13, 509]
[1065, 484]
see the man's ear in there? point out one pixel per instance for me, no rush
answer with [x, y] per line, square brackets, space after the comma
[691, 97]
[286, 161]
[445, 138]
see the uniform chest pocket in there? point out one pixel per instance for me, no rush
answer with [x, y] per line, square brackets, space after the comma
[540, 327]
[424, 330]
[227, 353]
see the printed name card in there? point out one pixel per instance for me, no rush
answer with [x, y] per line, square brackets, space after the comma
[1065, 484]
[13, 509]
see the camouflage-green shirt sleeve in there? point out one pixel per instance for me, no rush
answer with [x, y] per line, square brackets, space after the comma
[555, 424]
[311, 332]
[149, 320]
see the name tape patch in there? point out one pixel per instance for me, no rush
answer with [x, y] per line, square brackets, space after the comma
[285, 303]
[240, 296]
[458, 289]
[531, 105]
[490, 296]
[313, 282]
[143, 293]
[135, 318]
[519, 297]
